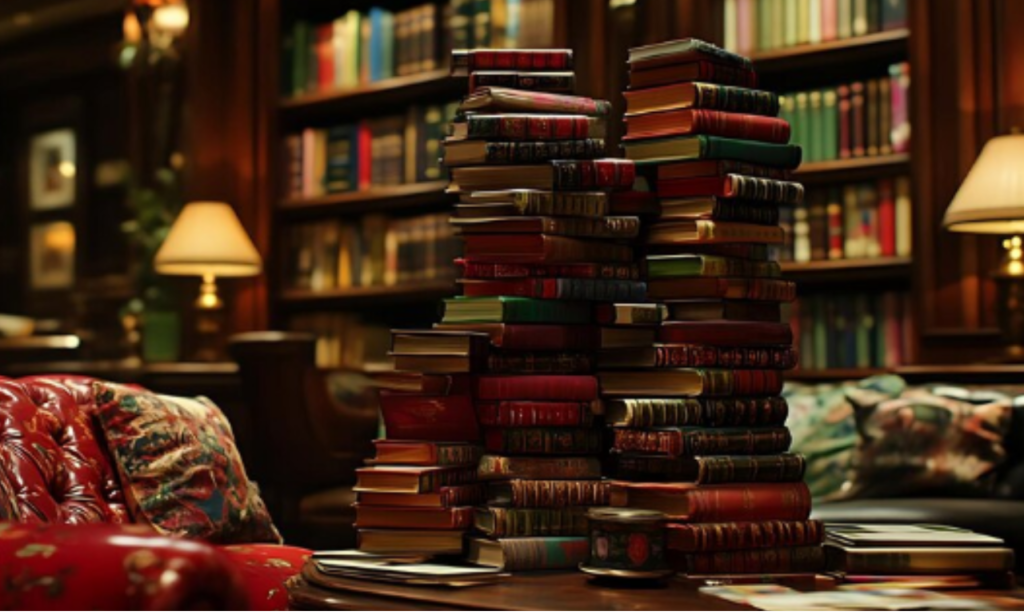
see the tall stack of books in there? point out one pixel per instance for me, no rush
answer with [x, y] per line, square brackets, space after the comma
[543, 260]
[698, 424]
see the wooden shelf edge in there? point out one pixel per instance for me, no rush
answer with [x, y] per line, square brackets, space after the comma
[846, 264]
[814, 170]
[418, 192]
[439, 78]
[765, 60]
[845, 271]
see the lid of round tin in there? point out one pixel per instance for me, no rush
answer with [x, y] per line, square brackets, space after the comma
[624, 515]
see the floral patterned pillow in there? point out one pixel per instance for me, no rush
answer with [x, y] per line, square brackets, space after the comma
[179, 466]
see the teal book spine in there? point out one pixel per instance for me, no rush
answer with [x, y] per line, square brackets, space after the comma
[830, 124]
[754, 152]
[545, 553]
[376, 60]
[523, 310]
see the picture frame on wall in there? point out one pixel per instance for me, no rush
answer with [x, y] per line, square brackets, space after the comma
[52, 256]
[52, 169]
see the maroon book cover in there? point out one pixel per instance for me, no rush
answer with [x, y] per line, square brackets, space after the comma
[535, 414]
[536, 338]
[450, 418]
[707, 122]
[466, 61]
[499, 271]
[718, 503]
[695, 537]
[541, 388]
[528, 249]
[726, 333]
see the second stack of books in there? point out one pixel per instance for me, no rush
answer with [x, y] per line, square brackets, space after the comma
[698, 422]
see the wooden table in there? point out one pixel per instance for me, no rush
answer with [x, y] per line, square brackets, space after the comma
[553, 591]
[549, 591]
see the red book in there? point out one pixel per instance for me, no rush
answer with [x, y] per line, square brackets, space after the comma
[417, 453]
[543, 249]
[571, 289]
[726, 333]
[444, 497]
[707, 122]
[753, 289]
[547, 388]
[703, 70]
[536, 337]
[717, 503]
[535, 414]
[716, 168]
[784, 560]
[858, 132]
[413, 518]
[843, 98]
[325, 56]
[364, 140]
[494, 271]
[829, 19]
[431, 385]
[691, 441]
[465, 61]
[697, 537]
[449, 418]
[886, 217]
[734, 187]
[526, 127]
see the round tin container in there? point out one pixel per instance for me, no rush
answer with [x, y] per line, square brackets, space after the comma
[626, 543]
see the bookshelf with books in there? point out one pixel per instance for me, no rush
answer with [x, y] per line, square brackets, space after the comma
[360, 102]
[843, 70]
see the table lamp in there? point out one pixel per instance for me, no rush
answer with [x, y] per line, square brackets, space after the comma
[207, 240]
[991, 201]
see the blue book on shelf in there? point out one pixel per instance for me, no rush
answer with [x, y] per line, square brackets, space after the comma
[381, 43]
[342, 155]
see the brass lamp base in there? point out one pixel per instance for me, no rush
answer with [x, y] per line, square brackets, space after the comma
[210, 345]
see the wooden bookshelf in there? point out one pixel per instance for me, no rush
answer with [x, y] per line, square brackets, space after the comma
[849, 169]
[387, 198]
[361, 297]
[869, 47]
[842, 271]
[367, 99]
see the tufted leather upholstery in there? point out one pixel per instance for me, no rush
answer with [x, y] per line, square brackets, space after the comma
[54, 465]
[55, 469]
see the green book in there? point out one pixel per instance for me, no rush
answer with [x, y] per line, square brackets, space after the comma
[690, 266]
[763, 19]
[300, 57]
[881, 319]
[830, 125]
[387, 31]
[821, 335]
[865, 331]
[801, 119]
[462, 310]
[815, 118]
[844, 18]
[778, 23]
[704, 147]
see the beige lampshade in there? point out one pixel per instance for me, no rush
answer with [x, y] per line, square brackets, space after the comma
[991, 198]
[208, 239]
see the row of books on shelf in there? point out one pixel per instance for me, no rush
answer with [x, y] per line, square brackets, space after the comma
[863, 118]
[370, 251]
[763, 25]
[860, 220]
[358, 48]
[345, 340]
[382, 151]
[860, 331]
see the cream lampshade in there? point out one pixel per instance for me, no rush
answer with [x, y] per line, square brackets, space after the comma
[991, 198]
[207, 240]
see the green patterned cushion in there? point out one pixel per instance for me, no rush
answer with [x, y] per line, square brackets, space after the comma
[180, 468]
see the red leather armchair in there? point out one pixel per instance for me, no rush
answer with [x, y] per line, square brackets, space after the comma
[57, 482]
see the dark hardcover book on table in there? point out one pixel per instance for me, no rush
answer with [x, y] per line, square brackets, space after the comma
[533, 493]
[496, 203]
[551, 82]
[724, 309]
[543, 249]
[701, 355]
[535, 338]
[701, 96]
[506, 100]
[521, 413]
[499, 467]
[710, 537]
[704, 412]
[379, 517]
[516, 310]
[564, 175]
[706, 71]
[717, 503]
[467, 61]
[534, 553]
[609, 227]
[569, 289]
[449, 418]
[444, 497]
[544, 441]
[706, 470]
[522, 522]
[684, 122]
[690, 382]
[679, 149]
[720, 210]
[696, 441]
[703, 266]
